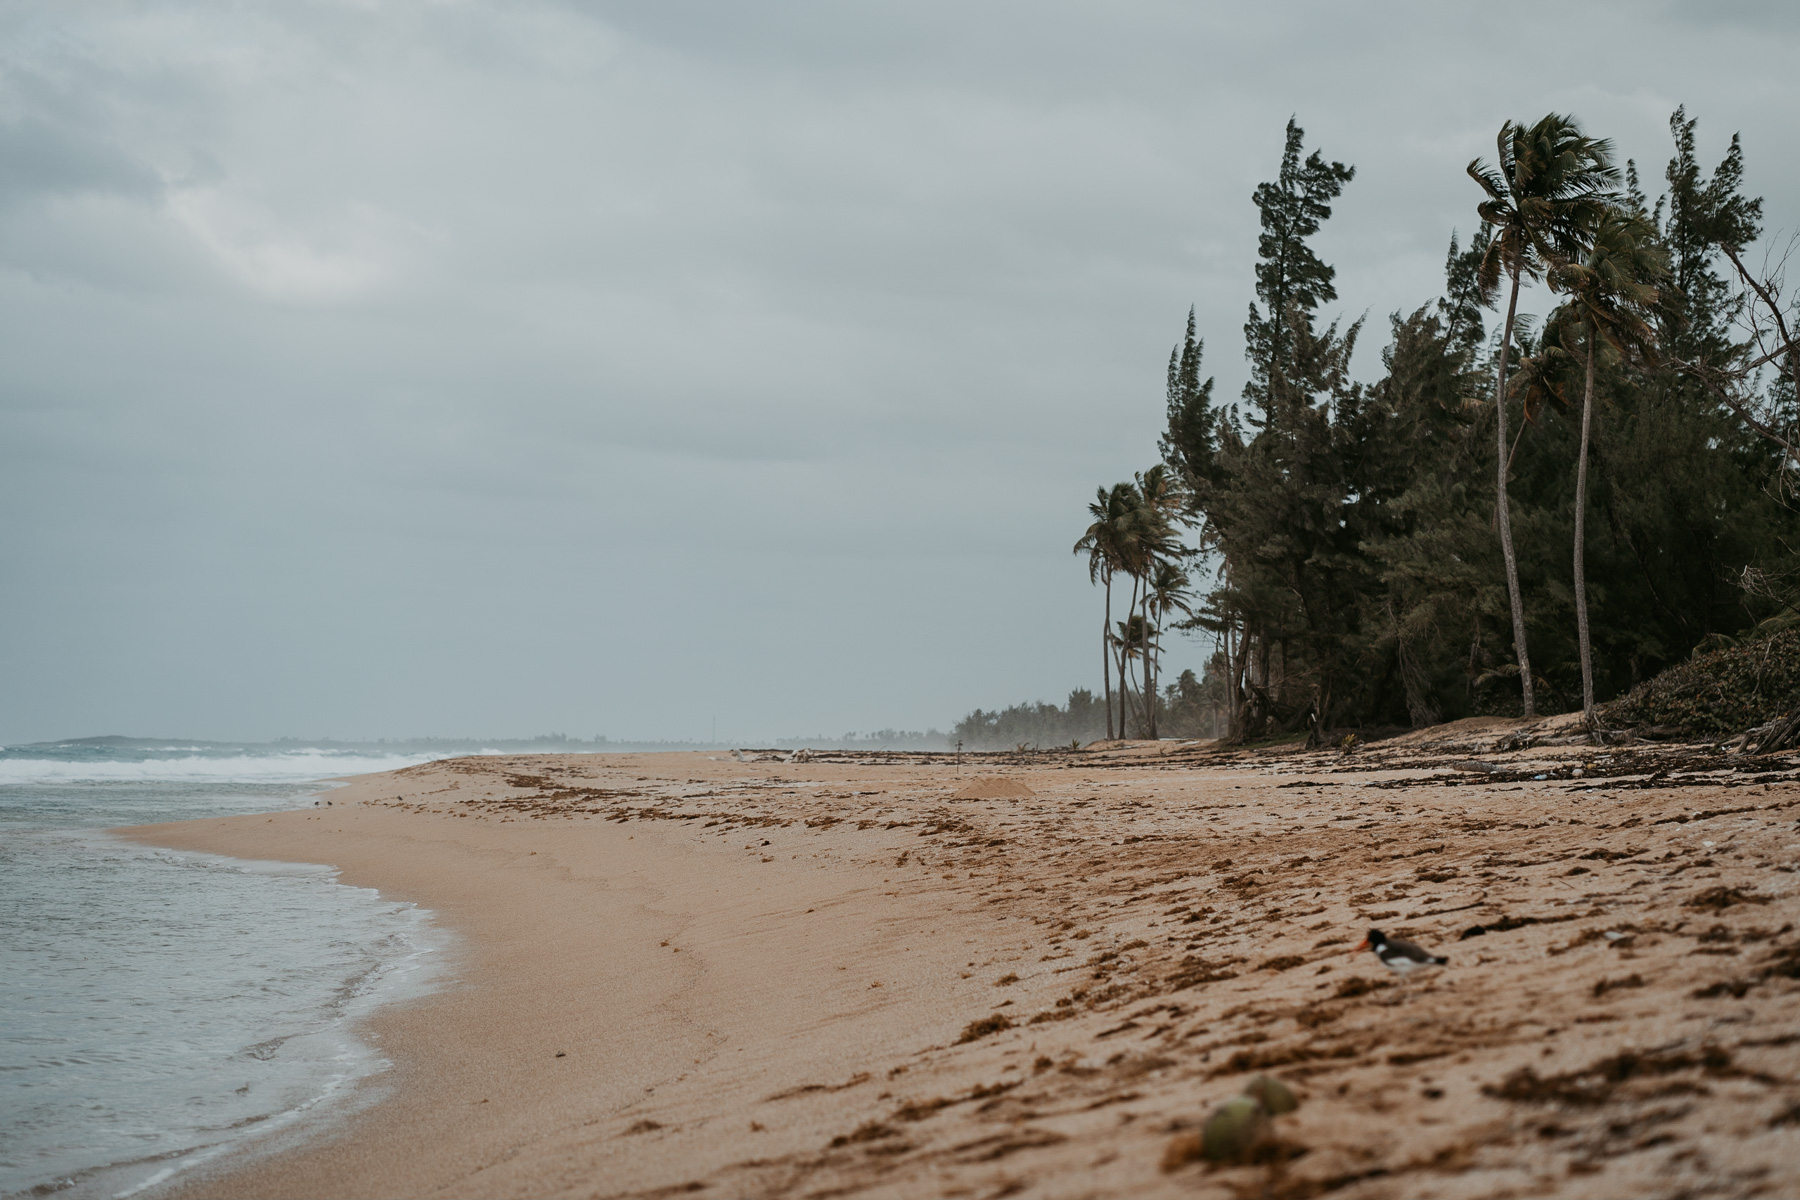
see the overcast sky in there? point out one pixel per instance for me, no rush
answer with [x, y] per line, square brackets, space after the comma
[389, 369]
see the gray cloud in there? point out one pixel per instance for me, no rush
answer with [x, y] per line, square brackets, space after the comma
[409, 368]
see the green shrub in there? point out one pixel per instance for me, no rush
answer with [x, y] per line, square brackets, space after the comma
[1723, 691]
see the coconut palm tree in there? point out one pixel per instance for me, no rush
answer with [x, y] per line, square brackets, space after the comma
[1149, 540]
[1610, 288]
[1131, 639]
[1548, 188]
[1106, 543]
[1155, 544]
[1136, 539]
[1168, 591]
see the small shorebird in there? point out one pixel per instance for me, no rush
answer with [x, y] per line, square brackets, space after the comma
[1402, 958]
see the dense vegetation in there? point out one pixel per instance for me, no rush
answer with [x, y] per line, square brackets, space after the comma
[1368, 559]
[1730, 690]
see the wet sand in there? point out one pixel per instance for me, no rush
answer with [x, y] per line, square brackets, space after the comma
[876, 976]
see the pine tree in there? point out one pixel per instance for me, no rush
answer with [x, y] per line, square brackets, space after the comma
[1357, 576]
[1291, 280]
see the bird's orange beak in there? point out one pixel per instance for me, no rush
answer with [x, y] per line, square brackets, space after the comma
[1362, 945]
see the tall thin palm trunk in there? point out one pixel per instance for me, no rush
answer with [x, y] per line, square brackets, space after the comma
[1146, 698]
[1504, 512]
[1149, 665]
[1581, 467]
[1106, 651]
[1153, 647]
[1125, 662]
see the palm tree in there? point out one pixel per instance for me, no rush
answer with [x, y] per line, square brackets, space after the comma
[1610, 287]
[1159, 506]
[1136, 530]
[1167, 592]
[1148, 538]
[1549, 186]
[1131, 638]
[1104, 543]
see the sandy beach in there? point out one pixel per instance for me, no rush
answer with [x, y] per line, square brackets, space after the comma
[1036, 974]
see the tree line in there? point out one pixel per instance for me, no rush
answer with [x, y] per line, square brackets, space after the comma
[1525, 519]
[1185, 708]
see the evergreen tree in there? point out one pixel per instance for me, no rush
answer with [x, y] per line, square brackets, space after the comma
[1356, 575]
[1291, 280]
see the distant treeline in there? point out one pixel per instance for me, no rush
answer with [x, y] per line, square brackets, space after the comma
[1414, 549]
[557, 743]
[881, 739]
[1183, 710]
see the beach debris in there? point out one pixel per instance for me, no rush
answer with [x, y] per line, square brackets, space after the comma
[1719, 898]
[1356, 985]
[1594, 1084]
[1752, 687]
[1607, 985]
[1182, 1149]
[1239, 1130]
[986, 1026]
[1402, 958]
[1235, 1130]
[1275, 1096]
[868, 1131]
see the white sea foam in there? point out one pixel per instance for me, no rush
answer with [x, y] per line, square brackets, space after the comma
[161, 1005]
[296, 766]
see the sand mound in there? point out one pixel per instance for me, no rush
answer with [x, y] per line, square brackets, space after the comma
[991, 787]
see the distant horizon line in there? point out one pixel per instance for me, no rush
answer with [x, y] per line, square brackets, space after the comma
[882, 736]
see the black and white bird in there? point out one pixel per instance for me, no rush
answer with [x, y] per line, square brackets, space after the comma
[1402, 958]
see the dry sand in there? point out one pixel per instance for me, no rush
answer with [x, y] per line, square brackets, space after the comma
[684, 975]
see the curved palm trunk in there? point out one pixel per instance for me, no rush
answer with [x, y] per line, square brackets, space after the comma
[1106, 653]
[1504, 513]
[1581, 612]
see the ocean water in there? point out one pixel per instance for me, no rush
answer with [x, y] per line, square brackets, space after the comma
[157, 1007]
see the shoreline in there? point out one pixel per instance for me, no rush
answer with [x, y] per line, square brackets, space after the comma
[681, 973]
[164, 1005]
[604, 926]
[355, 1085]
